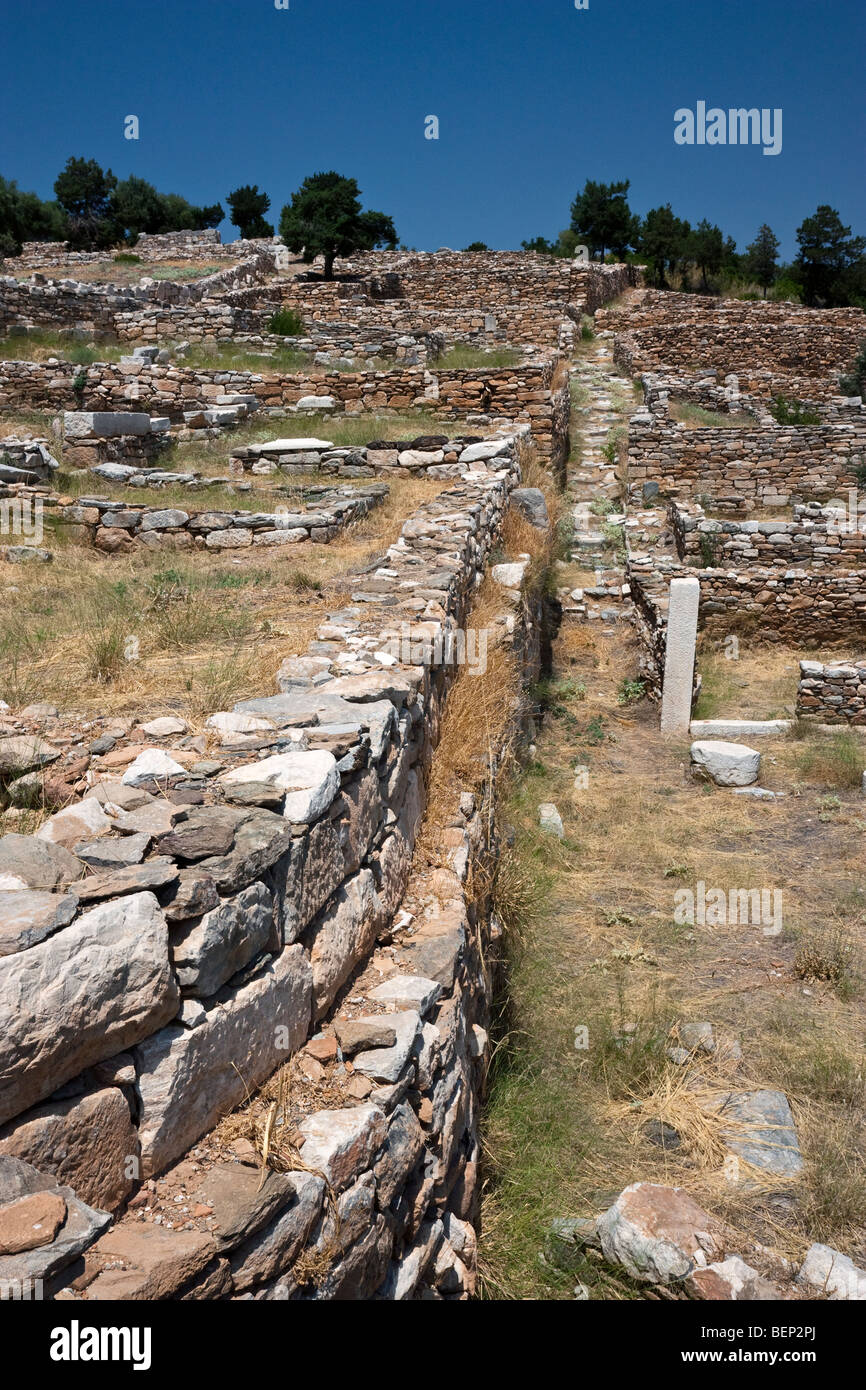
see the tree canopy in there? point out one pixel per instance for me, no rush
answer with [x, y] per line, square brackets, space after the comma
[324, 218]
[248, 207]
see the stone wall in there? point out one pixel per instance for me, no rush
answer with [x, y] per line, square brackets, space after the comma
[799, 349]
[202, 969]
[813, 540]
[526, 393]
[435, 456]
[116, 527]
[742, 467]
[832, 694]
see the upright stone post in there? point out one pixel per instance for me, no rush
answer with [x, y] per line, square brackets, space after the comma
[680, 655]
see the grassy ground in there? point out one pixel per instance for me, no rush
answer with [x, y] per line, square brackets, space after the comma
[594, 943]
[697, 417]
[205, 629]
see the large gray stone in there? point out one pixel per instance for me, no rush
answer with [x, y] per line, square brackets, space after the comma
[188, 1078]
[727, 764]
[86, 1142]
[342, 936]
[28, 917]
[94, 989]
[29, 862]
[272, 1250]
[310, 780]
[208, 952]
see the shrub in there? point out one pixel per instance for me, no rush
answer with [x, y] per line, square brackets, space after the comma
[126, 258]
[786, 412]
[286, 323]
[630, 692]
[854, 383]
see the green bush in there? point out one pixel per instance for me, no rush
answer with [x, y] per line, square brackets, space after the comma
[854, 383]
[126, 258]
[286, 323]
[786, 412]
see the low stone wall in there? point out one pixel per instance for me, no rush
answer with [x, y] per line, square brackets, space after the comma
[812, 540]
[124, 437]
[803, 351]
[743, 467]
[436, 456]
[275, 869]
[832, 694]
[116, 527]
[526, 393]
[178, 246]
[26, 460]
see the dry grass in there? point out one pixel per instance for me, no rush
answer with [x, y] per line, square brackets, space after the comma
[205, 630]
[594, 942]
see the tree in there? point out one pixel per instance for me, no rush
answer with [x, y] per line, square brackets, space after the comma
[762, 257]
[325, 219]
[181, 216]
[663, 241]
[84, 192]
[828, 257]
[601, 218]
[540, 245]
[477, 246]
[136, 207]
[25, 217]
[248, 207]
[706, 247]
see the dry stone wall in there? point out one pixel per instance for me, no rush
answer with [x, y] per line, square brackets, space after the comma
[530, 392]
[832, 694]
[117, 527]
[215, 911]
[741, 467]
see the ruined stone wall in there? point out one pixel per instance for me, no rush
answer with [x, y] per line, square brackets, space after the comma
[832, 694]
[522, 393]
[273, 875]
[813, 540]
[794, 354]
[119, 527]
[744, 468]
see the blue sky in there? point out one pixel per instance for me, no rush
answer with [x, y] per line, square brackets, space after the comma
[533, 98]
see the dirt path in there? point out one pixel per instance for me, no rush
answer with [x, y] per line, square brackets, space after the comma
[585, 1097]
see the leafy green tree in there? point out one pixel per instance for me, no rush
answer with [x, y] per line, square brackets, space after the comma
[762, 257]
[179, 215]
[325, 219]
[136, 207]
[706, 247]
[26, 217]
[828, 257]
[477, 246]
[248, 207]
[663, 242]
[84, 192]
[539, 244]
[601, 218]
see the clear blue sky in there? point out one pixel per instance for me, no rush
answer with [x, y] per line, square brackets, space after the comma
[533, 97]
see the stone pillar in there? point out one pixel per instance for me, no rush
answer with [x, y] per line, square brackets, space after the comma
[680, 655]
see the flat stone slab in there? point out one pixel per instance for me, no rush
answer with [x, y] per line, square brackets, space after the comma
[764, 1135]
[287, 446]
[78, 997]
[310, 780]
[104, 424]
[738, 728]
